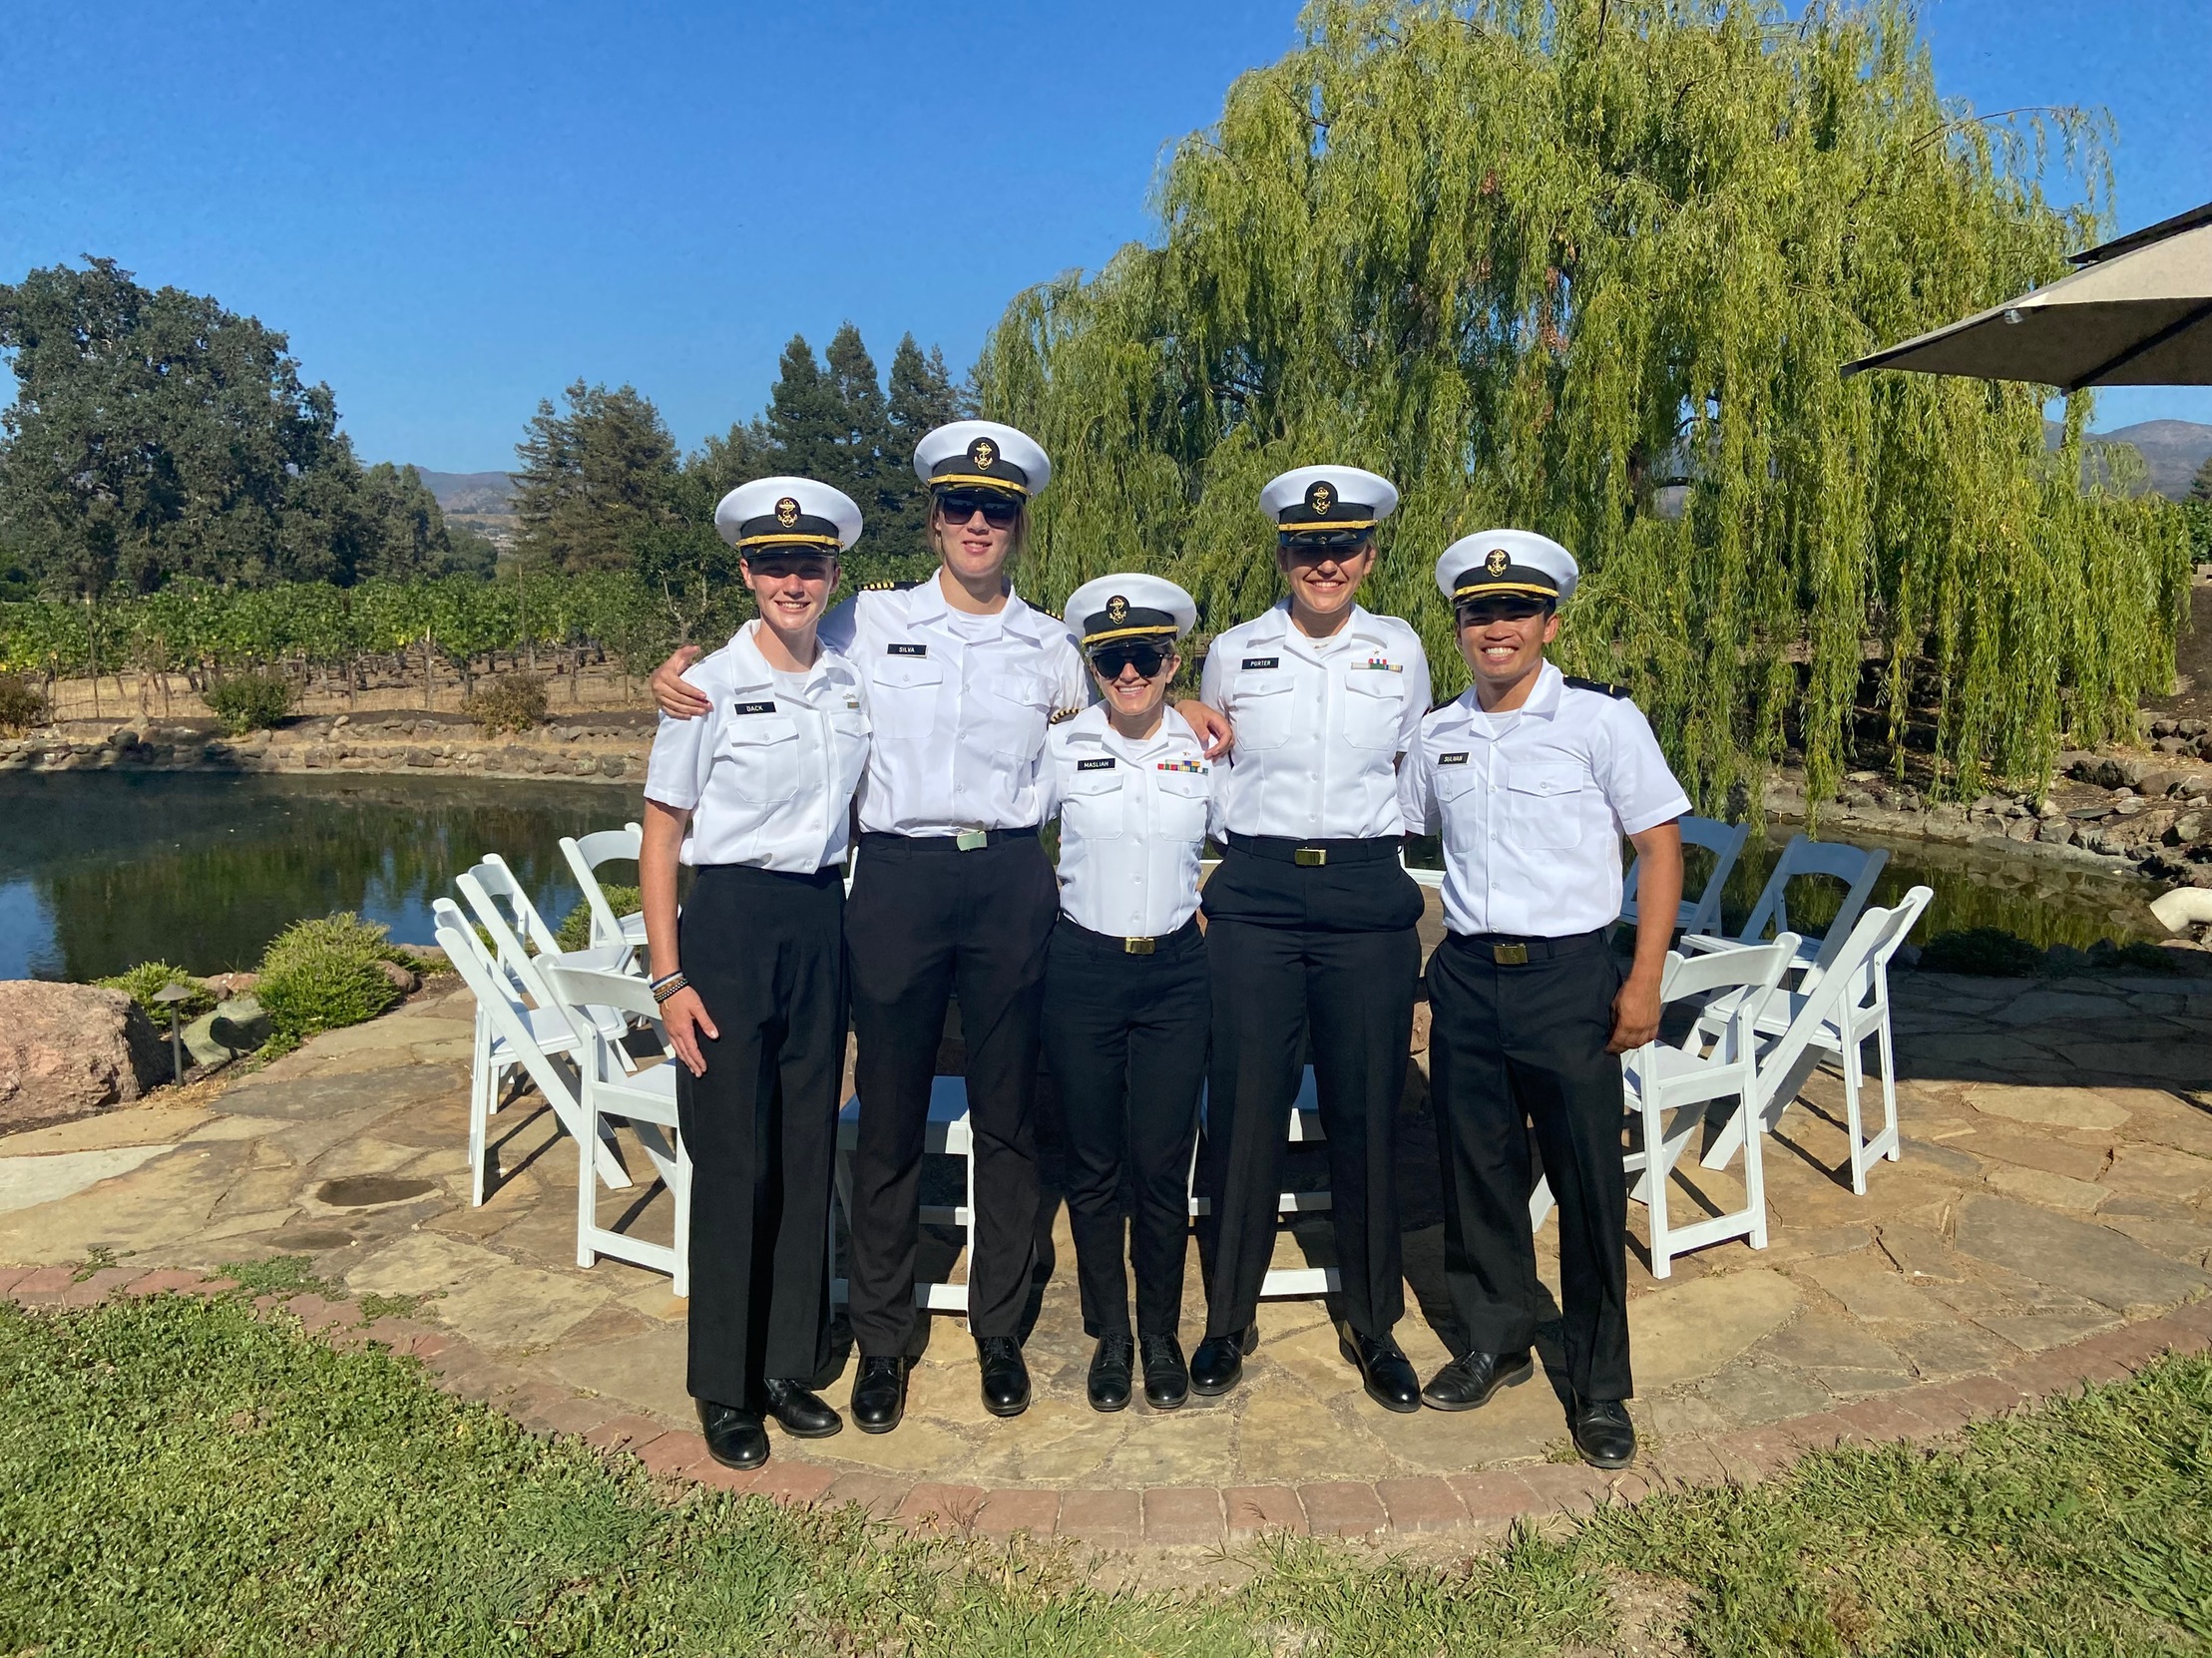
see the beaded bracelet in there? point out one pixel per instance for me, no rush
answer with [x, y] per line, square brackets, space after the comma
[668, 985]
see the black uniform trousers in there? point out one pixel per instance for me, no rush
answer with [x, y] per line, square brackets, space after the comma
[766, 954]
[1514, 1044]
[925, 919]
[1125, 1037]
[1293, 949]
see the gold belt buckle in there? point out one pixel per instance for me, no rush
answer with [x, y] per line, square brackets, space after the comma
[1510, 955]
[1137, 947]
[1312, 856]
[971, 840]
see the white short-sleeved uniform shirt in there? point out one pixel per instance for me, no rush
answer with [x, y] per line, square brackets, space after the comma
[1532, 806]
[960, 706]
[1132, 823]
[768, 771]
[1319, 724]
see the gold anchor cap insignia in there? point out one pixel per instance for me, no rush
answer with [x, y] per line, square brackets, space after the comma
[1497, 562]
[788, 512]
[983, 453]
[1321, 497]
[1118, 610]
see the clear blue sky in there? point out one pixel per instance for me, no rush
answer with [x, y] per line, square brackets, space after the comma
[455, 211]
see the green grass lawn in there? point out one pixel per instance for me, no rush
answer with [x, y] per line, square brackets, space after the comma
[178, 1476]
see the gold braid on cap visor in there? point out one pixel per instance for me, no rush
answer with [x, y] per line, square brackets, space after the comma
[952, 480]
[1480, 588]
[793, 537]
[1152, 631]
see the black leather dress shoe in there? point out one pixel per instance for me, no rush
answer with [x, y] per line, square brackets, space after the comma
[1603, 1434]
[1218, 1364]
[1466, 1383]
[1005, 1378]
[1167, 1377]
[879, 1394]
[799, 1413]
[734, 1438]
[1386, 1372]
[1109, 1373]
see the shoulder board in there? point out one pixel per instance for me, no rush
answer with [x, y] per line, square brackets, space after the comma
[1620, 693]
[887, 586]
[1059, 715]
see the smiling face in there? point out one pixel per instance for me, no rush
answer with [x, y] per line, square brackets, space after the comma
[1324, 579]
[1503, 639]
[1128, 690]
[791, 589]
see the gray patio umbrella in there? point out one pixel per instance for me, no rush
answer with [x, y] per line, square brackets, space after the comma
[2138, 313]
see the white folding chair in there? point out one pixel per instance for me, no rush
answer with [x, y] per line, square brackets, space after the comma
[646, 1099]
[1854, 866]
[526, 971]
[1845, 1008]
[512, 1036]
[1701, 912]
[585, 854]
[1686, 1079]
[1305, 1129]
[946, 1135]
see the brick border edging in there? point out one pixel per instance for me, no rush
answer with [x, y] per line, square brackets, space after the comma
[1478, 1505]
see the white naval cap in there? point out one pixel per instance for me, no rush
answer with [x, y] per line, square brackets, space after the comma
[1129, 606]
[1315, 497]
[985, 454]
[792, 513]
[1507, 561]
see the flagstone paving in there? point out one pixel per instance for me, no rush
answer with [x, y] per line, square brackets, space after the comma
[2057, 1162]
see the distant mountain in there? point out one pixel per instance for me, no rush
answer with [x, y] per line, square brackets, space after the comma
[488, 494]
[2172, 450]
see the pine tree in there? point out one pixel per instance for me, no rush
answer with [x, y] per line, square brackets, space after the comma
[2200, 487]
[594, 480]
[805, 422]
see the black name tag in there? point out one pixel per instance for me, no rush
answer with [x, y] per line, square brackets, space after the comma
[906, 649]
[1263, 661]
[1458, 759]
[756, 708]
[1095, 765]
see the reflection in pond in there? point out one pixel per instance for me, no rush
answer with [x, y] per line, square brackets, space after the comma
[97, 872]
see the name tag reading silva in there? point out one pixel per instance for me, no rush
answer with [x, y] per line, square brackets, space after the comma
[906, 649]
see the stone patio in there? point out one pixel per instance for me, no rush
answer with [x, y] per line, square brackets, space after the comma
[2058, 1159]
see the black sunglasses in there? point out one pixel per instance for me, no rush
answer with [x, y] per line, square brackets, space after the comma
[997, 511]
[1110, 659]
[1477, 613]
[1316, 544]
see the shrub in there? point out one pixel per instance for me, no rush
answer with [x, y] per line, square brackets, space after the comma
[249, 701]
[22, 704]
[141, 982]
[574, 932]
[324, 974]
[511, 702]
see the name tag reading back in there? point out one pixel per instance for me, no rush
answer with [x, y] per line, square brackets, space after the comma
[754, 708]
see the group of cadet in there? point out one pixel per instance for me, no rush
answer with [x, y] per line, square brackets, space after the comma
[945, 722]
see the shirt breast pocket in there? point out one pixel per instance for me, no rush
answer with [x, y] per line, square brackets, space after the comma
[1261, 709]
[1184, 798]
[1091, 806]
[903, 696]
[849, 728]
[763, 751]
[1373, 700]
[1014, 710]
[1543, 804]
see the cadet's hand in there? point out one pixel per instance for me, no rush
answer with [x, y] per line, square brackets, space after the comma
[684, 1017]
[1635, 1015]
[1209, 725]
[679, 698]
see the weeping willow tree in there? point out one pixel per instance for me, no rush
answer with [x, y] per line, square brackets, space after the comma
[1590, 266]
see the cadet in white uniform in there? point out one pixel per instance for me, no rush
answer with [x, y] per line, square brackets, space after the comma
[1311, 920]
[756, 796]
[1125, 997]
[952, 894]
[1534, 779]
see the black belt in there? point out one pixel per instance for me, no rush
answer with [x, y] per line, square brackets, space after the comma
[1314, 854]
[968, 840]
[1129, 945]
[1513, 949]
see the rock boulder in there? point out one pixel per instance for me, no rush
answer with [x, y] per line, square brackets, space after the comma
[67, 1051]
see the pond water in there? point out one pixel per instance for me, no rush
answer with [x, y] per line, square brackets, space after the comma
[99, 871]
